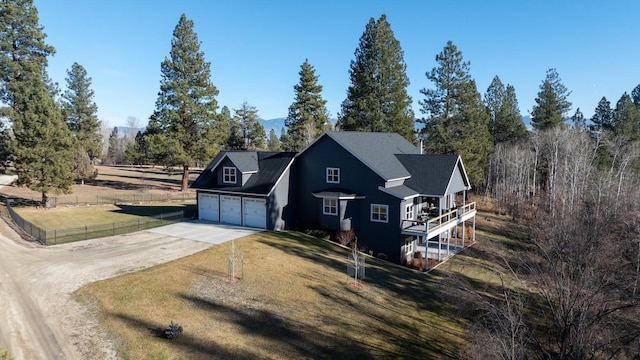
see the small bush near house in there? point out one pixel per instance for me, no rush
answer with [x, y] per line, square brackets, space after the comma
[344, 237]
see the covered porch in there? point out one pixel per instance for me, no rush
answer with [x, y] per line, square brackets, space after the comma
[439, 237]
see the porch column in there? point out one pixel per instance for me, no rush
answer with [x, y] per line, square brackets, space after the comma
[474, 229]
[463, 223]
[440, 247]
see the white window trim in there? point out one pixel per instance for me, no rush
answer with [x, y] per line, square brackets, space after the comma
[409, 212]
[332, 173]
[329, 206]
[231, 175]
[379, 207]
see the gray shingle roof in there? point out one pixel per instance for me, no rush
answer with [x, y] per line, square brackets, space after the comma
[377, 150]
[430, 174]
[269, 166]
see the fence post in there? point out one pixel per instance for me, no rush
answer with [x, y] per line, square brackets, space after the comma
[113, 228]
[55, 237]
[138, 224]
[86, 230]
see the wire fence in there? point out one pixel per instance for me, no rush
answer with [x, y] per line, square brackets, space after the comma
[114, 198]
[61, 236]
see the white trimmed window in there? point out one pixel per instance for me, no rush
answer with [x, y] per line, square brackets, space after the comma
[330, 206]
[229, 175]
[408, 212]
[379, 213]
[333, 175]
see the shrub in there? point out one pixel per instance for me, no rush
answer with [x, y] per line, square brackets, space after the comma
[173, 331]
[344, 237]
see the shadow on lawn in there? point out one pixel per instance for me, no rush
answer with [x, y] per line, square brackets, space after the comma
[190, 344]
[298, 339]
[142, 210]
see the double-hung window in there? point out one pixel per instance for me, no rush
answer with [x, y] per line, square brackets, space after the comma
[379, 213]
[408, 214]
[330, 206]
[333, 175]
[229, 175]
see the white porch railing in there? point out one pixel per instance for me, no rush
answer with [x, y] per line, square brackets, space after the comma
[436, 225]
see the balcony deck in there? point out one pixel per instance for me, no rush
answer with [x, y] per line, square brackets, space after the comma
[439, 224]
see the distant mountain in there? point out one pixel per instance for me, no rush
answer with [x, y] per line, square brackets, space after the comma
[276, 124]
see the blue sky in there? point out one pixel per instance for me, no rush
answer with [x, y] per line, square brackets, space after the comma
[256, 47]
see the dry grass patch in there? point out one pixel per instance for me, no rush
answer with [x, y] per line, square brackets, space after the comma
[293, 301]
[68, 217]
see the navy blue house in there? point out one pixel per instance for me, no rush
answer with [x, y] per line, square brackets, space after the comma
[398, 201]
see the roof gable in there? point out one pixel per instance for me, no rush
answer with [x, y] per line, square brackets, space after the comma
[269, 166]
[376, 150]
[245, 161]
[433, 174]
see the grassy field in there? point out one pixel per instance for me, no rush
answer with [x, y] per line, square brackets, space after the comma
[68, 217]
[117, 195]
[293, 301]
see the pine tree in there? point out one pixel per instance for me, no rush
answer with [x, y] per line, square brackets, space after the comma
[186, 104]
[308, 115]
[456, 120]
[626, 119]
[377, 98]
[505, 121]
[83, 169]
[552, 105]
[42, 146]
[81, 112]
[579, 122]
[246, 116]
[23, 51]
[602, 116]
[273, 143]
[635, 96]
[257, 137]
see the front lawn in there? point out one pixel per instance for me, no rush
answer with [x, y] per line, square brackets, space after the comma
[294, 300]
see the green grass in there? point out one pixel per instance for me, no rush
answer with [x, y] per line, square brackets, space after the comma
[294, 301]
[71, 217]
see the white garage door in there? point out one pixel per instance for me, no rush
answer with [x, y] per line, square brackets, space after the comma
[230, 210]
[255, 213]
[208, 207]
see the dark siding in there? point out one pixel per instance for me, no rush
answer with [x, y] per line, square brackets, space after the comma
[355, 177]
[279, 204]
[219, 173]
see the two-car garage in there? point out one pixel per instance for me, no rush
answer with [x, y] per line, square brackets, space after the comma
[233, 210]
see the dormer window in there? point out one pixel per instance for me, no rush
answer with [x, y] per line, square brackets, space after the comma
[333, 175]
[229, 175]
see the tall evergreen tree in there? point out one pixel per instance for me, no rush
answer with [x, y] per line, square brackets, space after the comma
[505, 121]
[23, 51]
[579, 122]
[273, 142]
[635, 96]
[377, 98]
[81, 112]
[42, 146]
[602, 116]
[246, 116]
[552, 104]
[186, 106]
[308, 115]
[626, 119]
[456, 120]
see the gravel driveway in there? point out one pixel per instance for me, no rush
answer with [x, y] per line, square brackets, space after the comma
[40, 320]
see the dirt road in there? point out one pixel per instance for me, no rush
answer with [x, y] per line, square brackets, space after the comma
[39, 319]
